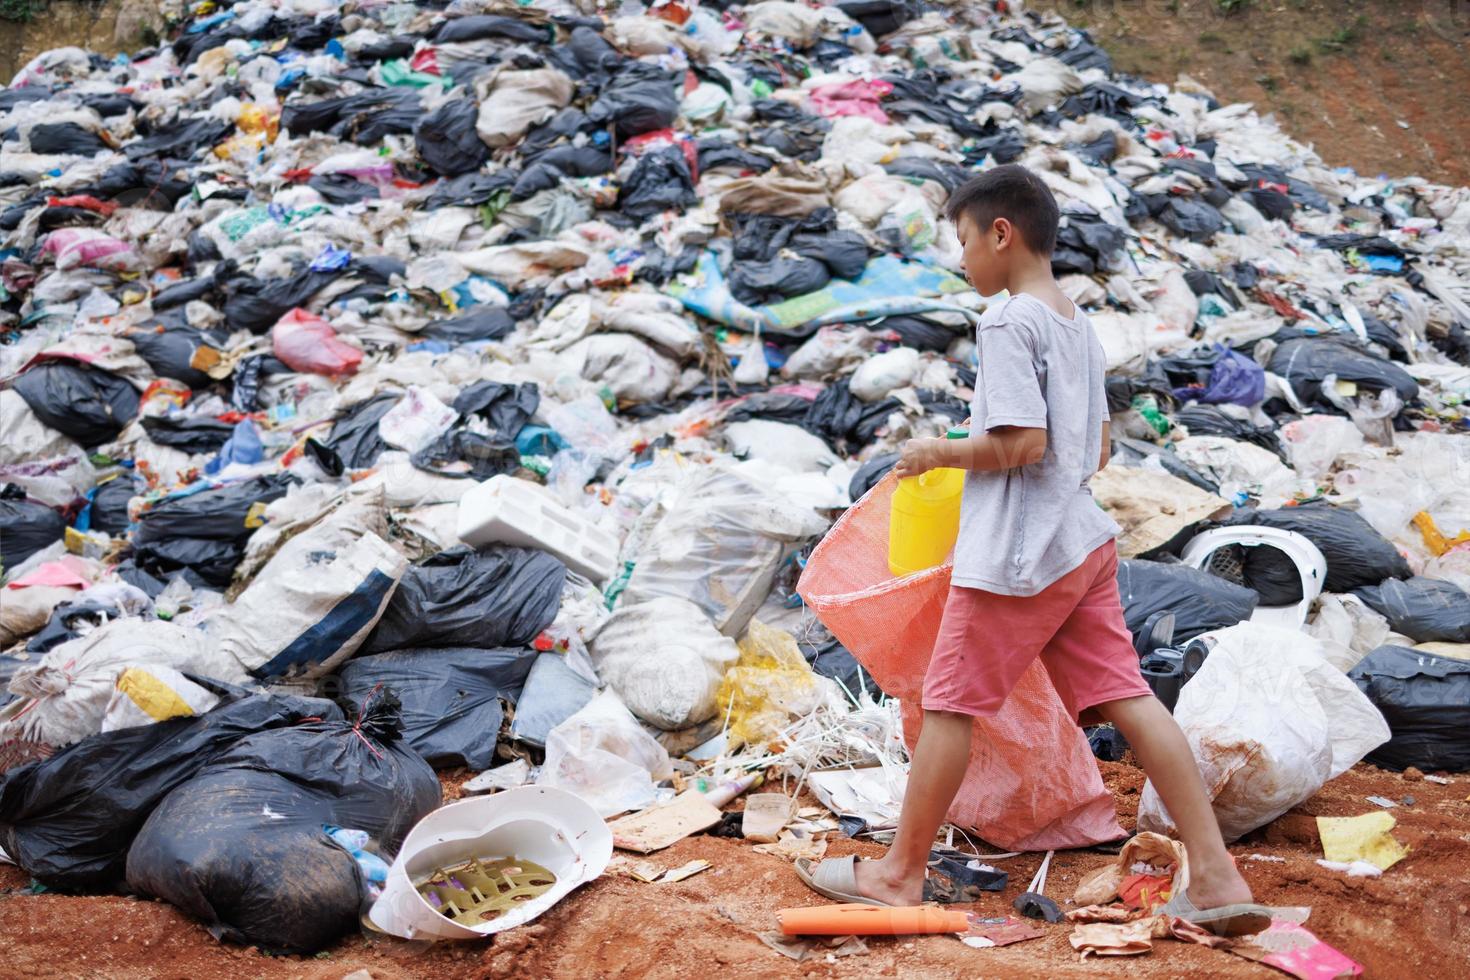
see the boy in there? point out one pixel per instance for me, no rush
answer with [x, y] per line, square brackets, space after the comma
[1036, 554]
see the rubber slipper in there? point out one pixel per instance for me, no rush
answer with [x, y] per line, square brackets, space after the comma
[835, 878]
[1227, 920]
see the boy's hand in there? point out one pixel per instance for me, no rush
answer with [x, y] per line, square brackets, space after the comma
[919, 456]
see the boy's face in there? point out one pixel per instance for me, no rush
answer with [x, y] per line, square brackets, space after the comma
[986, 253]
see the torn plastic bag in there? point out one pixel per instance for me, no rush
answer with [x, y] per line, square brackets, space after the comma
[205, 563]
[91, 405]
[312, 605]
[660, 181]
[1255, 765]
[257, 304]
[1424, 609]
[354, 437]
[1207, 420]
[65, 139]
[507, 407]
[719, 546]
[1191, 218]
[716, 154]
[1233, 378]
[70, 819]
[553, 692]
[462, 453]
[481, 323]
[243, 845]
[1199, 601]
[343, 189]
[26, 526]
[451, 696]
[146, 695]
[1426, 701]
[868, 475]
[604, 756]
[194, 434]
[181, 140]
[1356, 554]
[446, 138]
[1305, 362]
[831, 659]
[220, 514]
[496, 597]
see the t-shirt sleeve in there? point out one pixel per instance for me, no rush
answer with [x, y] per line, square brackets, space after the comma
[1011, 387]
[1099, 387]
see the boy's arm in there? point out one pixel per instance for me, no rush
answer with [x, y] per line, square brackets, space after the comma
[1002, 448]
[1107, 446]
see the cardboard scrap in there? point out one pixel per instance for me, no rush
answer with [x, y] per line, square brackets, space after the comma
[790, 846]
[657, 827]
[1104, 913]
[1113, 938]
[1147, 849]
[1364, 838]
[1292, 949]
[685, 870]
[799, 948]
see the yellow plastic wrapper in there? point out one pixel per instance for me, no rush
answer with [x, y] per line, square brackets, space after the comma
[769, 685]
[258, 119]
[1365, 838]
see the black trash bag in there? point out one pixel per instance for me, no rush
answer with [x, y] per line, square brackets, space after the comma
[1364, 244]
[1425, 700]
[170, 349]
[759, 283]
[26, 526]
[342, 189]
[497, 597]
[771, 406]
[256, 304]
[109, 505]
[192, 434]
[469, 190]
[67, 619]
[480, 26]
[221, 514]
[1426, 610]
[639, 99]
[70, 819]
[1100, 152]
[660, 181]
[919, 332]
[211, 561]
[1199, 601]
[1209, 420]
[65, 139]
[868, 475]
[1193, 219]
[447, 141]
[881, 17]
[844, 253]
[1305, 361]
[461, 453]
[585, 53]
[947, 175]
[354, 436]
[88, 404]
[1084, 55]
[481, 323]
[451, 696]
[507, 407]
[242, 845]
[831, 659]
[182, 140]
[1356, 554]
[551, 168]
[715, 154]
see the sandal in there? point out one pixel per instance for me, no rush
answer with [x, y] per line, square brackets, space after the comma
[1227, 920]
[835, 878]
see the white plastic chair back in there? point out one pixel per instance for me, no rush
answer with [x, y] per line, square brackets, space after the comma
[1308, 559]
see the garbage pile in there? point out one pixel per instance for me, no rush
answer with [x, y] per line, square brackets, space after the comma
[469, 385]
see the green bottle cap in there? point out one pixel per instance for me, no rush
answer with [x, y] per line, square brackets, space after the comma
[958, 432]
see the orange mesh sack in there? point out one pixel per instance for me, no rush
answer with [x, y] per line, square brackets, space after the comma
[1032, 783]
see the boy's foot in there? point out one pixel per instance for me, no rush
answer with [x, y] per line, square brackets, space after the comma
[846, 879]
[1223, 905]
[1213, 892]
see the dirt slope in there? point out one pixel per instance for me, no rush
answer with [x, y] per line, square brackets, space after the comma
[1379, 87]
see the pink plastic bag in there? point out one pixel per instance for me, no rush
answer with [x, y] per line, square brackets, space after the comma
[306, 342]
[86, 246]
[856, 98]
[1032, 784]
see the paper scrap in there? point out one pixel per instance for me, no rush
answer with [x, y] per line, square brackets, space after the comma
[791, 847]
[799, 948]
[685, 870]
[1290, 948]
[1113, 939]
[1363, 838]
[986, 933]
[1355, 869]
[658, 827]
[1382, 801]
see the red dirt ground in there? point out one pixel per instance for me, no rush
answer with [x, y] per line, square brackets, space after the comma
[1414, 921]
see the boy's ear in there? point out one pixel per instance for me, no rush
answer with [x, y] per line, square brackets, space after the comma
[1004, 233]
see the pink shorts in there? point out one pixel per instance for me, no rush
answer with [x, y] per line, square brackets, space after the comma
[1075, 625]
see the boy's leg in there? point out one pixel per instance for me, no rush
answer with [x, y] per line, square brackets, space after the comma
[1167, 759]
[939, 762]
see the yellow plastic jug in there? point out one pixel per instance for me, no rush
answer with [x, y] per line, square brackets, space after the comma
[924, 520]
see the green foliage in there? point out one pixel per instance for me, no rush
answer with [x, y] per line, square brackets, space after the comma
[17, 10]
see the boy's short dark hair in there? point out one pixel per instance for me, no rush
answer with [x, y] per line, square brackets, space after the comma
[1012, 192]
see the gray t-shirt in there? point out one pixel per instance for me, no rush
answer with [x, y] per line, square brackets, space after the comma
[1024, 528]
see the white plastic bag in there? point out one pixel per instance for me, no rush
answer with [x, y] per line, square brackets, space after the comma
[882, 373]
[416, 421]
[665, 659]
[785, 445]
[144, 695]
[1314, 443]
[1269, 720]
[604, 756]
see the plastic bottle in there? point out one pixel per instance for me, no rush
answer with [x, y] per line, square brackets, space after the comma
[924, 519]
